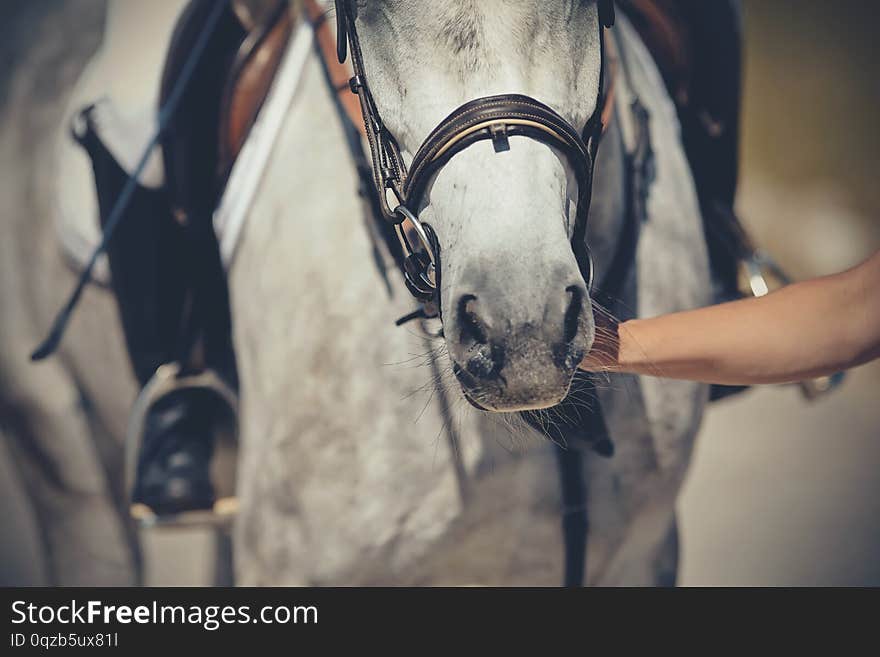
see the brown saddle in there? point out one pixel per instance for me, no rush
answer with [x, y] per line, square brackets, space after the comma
[224, 99]
[269, 26]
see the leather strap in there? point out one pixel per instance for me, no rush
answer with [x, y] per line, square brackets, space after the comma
[496, 118]
[338, 73]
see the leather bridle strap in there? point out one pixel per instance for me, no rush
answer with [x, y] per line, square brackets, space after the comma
[493, 118]
[337, 73]
[388, 166]
[497, 118]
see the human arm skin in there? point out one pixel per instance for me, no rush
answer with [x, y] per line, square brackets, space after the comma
[808, 329]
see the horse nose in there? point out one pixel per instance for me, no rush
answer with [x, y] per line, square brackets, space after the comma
[485, 338]
[485, 353]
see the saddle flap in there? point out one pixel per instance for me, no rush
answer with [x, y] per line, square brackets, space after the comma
[125, 137]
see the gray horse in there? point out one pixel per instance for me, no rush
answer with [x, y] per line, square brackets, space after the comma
[353, 470]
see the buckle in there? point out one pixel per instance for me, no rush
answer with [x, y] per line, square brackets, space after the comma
[423, 252]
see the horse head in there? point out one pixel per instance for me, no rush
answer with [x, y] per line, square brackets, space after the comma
[515, 303]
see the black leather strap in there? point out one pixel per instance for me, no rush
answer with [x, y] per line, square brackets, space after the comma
[341, 32]
[388, 166]
[606, 13]
[575, 520]
[496, 118]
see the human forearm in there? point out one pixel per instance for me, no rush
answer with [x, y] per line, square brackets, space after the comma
[804, 330]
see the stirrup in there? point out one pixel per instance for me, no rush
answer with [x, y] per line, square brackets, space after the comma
[762, 274]
[168, 379]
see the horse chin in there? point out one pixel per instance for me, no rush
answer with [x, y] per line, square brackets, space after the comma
[497, 401]
[503, 406]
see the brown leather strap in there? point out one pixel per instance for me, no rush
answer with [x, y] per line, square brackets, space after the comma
[608, 109]
[250, 78]
[339, 73]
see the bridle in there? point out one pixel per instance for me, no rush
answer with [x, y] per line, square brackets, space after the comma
[399, 190]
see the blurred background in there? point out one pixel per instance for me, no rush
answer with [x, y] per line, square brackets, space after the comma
[781, 491]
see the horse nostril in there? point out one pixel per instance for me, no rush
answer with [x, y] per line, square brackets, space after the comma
[572, 322]
[482, 359]
[472, 327]
[486, 362]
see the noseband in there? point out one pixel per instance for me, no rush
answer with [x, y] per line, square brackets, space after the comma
[400, 189]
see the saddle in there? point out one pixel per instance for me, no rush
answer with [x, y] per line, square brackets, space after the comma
[221, 104]
[165, 251]
[165, 263]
